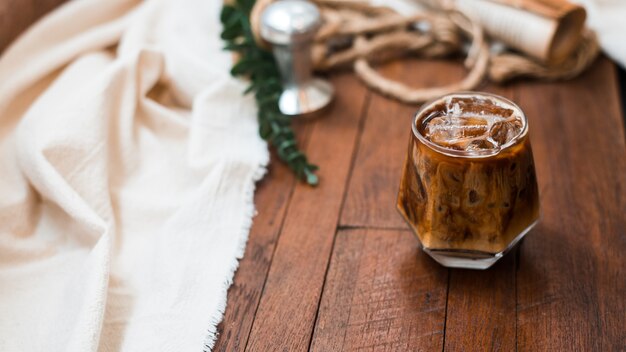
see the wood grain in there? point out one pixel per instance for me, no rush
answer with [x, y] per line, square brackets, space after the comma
[571, 284]
[286, 314]
[373, 188]
[381, 294]
[17, 15]
[271, 200]
[481, 304]
[481, 308]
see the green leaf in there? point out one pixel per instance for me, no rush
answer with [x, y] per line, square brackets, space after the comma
[259, 65]
[244, 66]
[227, 12]
[269, 86]
[231, 32]
[265, 131]
[250, 88]
[295, 155]
[236, 19]
[246, 5]
[236, 46]
[275, 127]
[311, 178]
[269, 101]
[248, 66]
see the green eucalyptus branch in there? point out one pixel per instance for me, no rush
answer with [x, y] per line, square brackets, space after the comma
[259, 65]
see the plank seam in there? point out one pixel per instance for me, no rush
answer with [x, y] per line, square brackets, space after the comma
[280, 231]
[517, 258]
[355, 149]
[445, 319]
[367, 227]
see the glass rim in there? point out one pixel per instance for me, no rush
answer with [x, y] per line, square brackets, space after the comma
[471, 153]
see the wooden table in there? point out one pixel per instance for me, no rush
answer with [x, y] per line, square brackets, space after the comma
[335, 268]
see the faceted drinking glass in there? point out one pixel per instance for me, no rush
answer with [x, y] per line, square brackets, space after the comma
[468, 187]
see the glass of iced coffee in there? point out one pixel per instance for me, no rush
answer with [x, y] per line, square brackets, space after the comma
[468, 187]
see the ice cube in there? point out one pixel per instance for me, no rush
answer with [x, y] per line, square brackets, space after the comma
[502, 132]
[480, 144]
[456, 132]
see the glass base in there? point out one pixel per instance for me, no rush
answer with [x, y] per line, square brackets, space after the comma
[467, 259]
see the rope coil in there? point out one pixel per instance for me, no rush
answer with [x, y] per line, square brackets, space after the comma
[356, 34]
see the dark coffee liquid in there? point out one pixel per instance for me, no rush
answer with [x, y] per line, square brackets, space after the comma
[467, 202]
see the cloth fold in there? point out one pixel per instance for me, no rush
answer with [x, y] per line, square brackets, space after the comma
[128, 158]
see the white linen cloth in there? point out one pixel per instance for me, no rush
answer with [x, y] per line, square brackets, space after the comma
[128, 157]
[608, 19]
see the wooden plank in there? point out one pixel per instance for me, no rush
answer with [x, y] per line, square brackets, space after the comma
[17, 15]
[488, 300]
[481, 304]
[570, 283]
[481, 308]
[271, 200]
[371, 197]
[286, 314]
[381, 294]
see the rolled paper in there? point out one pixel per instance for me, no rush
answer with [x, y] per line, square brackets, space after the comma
[548, 30]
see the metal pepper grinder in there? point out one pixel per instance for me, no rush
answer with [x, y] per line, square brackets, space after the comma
[290, 26]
